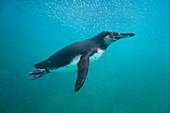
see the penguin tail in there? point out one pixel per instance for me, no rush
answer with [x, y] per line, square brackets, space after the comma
[41, 65]
[37, 73]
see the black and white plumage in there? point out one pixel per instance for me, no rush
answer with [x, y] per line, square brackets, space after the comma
[78, 54]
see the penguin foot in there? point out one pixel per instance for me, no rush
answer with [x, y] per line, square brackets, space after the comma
[38, 73]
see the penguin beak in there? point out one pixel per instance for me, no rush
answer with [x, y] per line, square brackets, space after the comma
[124, 35]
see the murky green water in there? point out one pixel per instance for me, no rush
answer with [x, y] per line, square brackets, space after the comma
[133, 75]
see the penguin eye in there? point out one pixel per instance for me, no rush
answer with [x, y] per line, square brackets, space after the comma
[115, 34]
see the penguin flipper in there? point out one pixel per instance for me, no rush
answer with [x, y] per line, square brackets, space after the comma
[83, 66]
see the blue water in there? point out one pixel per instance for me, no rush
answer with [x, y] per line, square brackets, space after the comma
[133, 75]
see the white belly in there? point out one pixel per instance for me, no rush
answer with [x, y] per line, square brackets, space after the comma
[96, 55]
[73, 65]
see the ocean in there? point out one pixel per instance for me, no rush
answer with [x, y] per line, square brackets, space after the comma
[132, 76]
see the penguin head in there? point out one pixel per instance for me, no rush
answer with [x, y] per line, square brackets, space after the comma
[112, 36]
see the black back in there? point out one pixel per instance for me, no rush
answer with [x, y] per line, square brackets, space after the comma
[65, 55]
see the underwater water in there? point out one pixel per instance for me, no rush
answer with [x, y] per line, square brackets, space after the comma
[132, 76]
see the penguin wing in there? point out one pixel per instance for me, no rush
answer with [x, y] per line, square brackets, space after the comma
[83, 66]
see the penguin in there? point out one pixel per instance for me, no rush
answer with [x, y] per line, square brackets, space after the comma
[78, 55]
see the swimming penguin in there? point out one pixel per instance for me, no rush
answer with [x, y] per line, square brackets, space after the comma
[79, 53]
